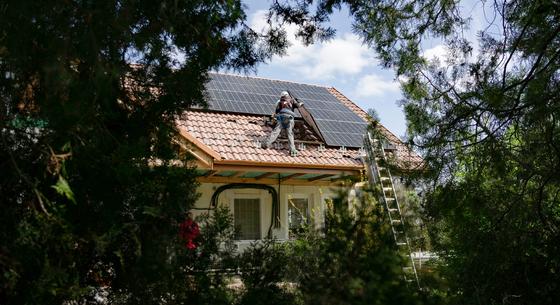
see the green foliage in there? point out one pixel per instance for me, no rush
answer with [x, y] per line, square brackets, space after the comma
[413, 215]
[488, 127]
[203, 274]
[354, 262]
[265, 275]
[62, 188]
[89, 95]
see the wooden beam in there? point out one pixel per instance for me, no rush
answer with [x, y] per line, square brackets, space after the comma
[302, 182]
[319, 177]
[265, 175]
[189, 137]
[291, 176]
[341, 177]
[287, 166]
[210, 173]
[288, 170]
[237, 174]
[196, 152]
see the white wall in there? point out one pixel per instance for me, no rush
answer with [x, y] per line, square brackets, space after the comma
[315, 195]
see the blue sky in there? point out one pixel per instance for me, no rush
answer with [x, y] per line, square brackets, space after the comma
[343, 63]
[346, 64]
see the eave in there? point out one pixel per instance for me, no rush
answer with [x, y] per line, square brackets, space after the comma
[213, 168]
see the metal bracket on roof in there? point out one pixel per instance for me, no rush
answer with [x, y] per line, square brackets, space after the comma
[388, 146]
[278, 145]
[343, 149]
[301, 146]
[362, 151]
[257, 143]
[321, 147]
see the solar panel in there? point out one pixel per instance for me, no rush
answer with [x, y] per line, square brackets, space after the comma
[339, 125]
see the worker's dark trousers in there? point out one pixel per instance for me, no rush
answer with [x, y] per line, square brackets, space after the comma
[278, 128]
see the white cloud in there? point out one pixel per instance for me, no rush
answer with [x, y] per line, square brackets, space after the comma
[258, 21]
[373, 85]
[341, 56]
[442, 55]
[438, 52]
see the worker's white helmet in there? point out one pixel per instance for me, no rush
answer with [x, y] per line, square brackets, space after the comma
[284, 93]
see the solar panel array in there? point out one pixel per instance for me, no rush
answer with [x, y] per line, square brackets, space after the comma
[339, 125]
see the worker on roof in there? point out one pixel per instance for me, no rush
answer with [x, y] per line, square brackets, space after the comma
[284, 114]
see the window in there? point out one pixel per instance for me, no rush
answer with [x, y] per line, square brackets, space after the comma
[246, 217]
[328, 209]
[298, 215]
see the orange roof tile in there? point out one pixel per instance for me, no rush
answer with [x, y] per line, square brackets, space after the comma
[235, 138]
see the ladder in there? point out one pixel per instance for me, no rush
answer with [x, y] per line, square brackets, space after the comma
[380, 175]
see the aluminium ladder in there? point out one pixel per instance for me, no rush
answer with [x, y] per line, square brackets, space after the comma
[380, 175]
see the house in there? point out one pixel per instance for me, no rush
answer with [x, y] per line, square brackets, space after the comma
[269, 192]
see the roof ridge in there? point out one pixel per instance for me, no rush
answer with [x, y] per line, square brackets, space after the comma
[354, 107]
[270, 79]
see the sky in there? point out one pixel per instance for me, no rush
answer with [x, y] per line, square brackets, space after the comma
[344, 63]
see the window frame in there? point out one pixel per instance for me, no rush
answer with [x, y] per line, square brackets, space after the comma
[309, 218]
[325, 198]
[257, 196]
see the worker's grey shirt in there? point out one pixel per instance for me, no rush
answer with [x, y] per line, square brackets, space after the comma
[284, 110]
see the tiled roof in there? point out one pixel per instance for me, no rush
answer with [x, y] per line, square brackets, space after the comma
[237, 137]
[234, 138]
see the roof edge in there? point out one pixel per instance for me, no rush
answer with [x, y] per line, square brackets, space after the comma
[290, 165]
[271, 79]
[205, 148]
[349, 103]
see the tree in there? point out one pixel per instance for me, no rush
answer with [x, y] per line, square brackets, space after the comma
[353, 260]
[90, 91]
[487, 124]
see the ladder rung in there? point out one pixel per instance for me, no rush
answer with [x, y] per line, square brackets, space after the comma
[382, 176]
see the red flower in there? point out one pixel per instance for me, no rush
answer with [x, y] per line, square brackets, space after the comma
[189, 231]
